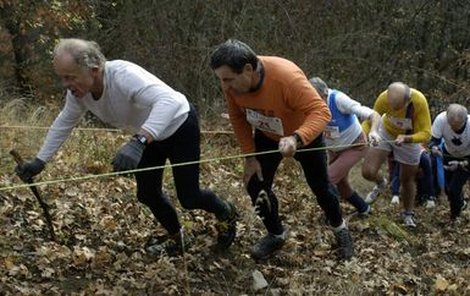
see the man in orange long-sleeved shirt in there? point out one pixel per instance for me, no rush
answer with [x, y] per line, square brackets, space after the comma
[273, 107]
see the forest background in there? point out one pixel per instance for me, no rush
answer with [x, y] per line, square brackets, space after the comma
[356, 46]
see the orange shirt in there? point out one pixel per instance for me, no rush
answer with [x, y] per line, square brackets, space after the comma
[285, 103]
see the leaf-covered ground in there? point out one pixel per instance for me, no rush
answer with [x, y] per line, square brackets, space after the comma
[101, 230]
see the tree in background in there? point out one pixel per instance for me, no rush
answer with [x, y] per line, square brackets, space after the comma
[29, 30]
[359, 45]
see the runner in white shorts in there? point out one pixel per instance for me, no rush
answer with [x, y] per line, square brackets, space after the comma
[408, 153]
[406, 123]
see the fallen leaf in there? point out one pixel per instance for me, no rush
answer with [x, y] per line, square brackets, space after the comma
[441, 284]
[259, 282]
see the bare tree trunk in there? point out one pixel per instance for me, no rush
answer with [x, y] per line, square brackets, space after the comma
[20, 46]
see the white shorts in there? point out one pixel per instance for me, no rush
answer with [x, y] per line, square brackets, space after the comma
[407, 153]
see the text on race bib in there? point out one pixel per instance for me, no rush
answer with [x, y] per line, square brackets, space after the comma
[265, 123]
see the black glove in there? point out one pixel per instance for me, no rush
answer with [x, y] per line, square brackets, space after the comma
[29, 169]
[128, 157]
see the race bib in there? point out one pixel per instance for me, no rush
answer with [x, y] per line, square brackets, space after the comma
[332, 132]
[403, 123]
[265, 123]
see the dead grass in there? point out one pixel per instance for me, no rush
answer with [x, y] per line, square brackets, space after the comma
[102, 229]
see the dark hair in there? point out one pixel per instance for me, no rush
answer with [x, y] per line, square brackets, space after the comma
[234, 54]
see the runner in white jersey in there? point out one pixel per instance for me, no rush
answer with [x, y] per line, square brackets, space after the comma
[163, 124]
[453, 126]
[345, 140]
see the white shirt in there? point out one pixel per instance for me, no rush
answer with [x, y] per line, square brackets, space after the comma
[458, 145]
[132, 99]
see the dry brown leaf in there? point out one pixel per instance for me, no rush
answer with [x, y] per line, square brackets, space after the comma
[400, 288]
[321, 253]
[81, 256]
[441, 284]
[102, 257]
[8, 262]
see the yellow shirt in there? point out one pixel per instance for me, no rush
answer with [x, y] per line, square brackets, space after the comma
[396, 123]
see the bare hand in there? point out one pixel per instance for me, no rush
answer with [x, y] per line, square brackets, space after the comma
[288, 146]
[436, 151]
[252, 166]
[401, 139]
[374, 138]
[452, 166]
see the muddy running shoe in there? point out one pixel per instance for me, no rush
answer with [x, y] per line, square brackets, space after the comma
[269, 244]
[463, 208]
[408, 220]
[345, 243]
[172, 245]
[376, 191]
[227, 228]
[431, 202]
[365, 213]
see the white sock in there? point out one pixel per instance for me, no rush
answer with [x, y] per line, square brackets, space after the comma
[282, 235]
[340, 227]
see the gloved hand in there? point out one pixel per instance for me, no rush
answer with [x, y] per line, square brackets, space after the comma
[128, 157]
[374, 138]
[452, 166]
[29, 169]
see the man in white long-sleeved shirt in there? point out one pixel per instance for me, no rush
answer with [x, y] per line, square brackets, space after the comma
[345, 140]
[453, 126]
[164, 125]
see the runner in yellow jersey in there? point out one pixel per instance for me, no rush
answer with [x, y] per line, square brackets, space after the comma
[406, 124]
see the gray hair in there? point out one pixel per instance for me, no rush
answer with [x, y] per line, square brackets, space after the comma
[457, 112]
[401, 88]
[87, 54]
[320, 86]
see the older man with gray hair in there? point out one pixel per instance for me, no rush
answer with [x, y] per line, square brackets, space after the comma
[345, 139]
[453, 126]
[164, 126]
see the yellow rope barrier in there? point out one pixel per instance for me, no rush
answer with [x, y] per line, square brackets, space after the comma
[87, 177]
[95, 129]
